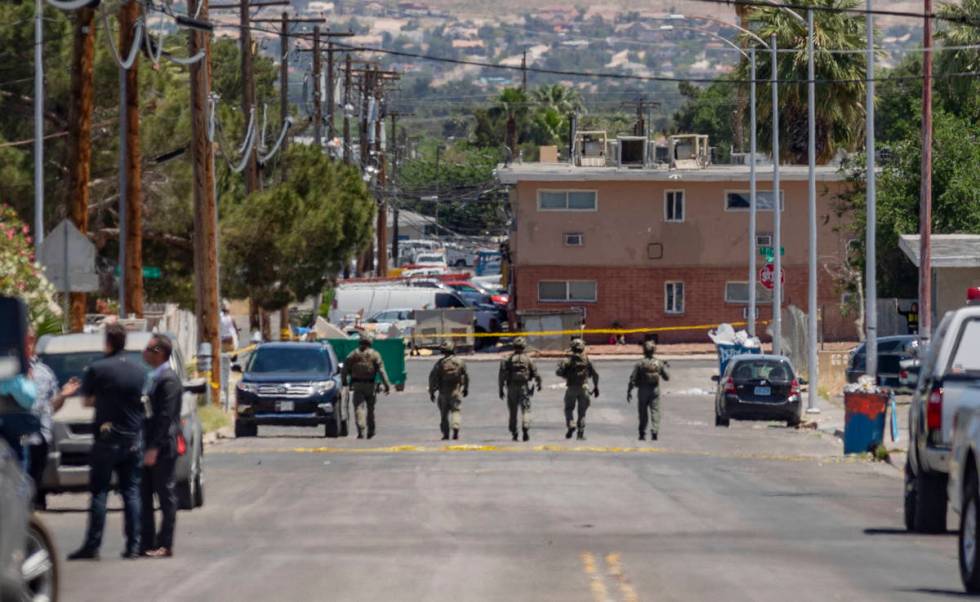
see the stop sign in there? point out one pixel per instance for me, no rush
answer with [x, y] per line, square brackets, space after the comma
[767, 276]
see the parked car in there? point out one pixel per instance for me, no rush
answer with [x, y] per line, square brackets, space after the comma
[402, 318]
[460, 256]
[290, 384]
[948, 383]
[28, 559]
[370, 300]
[72, 430]
[964, 493]
[470, 292]
[758, 387]
[891, 352]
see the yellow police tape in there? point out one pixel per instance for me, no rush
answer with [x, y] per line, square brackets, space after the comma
[578, 331]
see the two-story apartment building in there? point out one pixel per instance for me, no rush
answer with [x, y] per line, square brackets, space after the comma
[656, 247]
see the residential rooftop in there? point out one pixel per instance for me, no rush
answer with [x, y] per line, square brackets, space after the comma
[563, 172]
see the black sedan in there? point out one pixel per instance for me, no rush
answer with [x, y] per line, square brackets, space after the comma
[758, 387]
[290, 384]
[892, 351]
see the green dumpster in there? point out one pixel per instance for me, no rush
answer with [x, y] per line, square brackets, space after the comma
[392, 354]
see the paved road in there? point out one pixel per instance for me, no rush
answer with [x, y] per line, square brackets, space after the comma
[754, 512]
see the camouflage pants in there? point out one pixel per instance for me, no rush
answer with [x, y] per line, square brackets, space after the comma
[648, 406]
[576, 396]
[449, 405]
[518, 398]
[364, 397]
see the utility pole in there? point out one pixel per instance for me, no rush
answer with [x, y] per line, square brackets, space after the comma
[80, 138]
[205, 208]
[317, 101]
[132, 268]
[252, 183]
[925, 198]
[38, 127]
[284, 85]
[347, 84]
[524, 71]
[394, 147]
[871, 275]
[331, 101]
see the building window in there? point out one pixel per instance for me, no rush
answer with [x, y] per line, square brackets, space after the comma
[674, 297]
[740, 200]
[567, 200]
[738, 293]
[567, 290]
[674, 206]
[574, 239]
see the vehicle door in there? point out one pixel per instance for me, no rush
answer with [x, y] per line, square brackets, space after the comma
[961, 382]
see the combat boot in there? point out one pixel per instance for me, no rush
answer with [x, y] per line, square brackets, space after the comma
[653, 435]
[643, 436]
[360, 434]
[455, 434]
[527, 437]
[370, 434]
[514, 435]
[581, 435]
[571, 431]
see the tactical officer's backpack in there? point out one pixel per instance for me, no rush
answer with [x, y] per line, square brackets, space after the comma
[577, 370]
[650, 373]
[451, 373]
[361, 366]
[519, 369]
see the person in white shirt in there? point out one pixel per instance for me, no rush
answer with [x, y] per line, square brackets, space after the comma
[229, 331]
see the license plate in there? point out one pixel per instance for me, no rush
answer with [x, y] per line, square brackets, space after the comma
[763, 391]
[286, 406]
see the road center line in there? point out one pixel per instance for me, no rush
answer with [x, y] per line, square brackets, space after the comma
[597, 584]
[616, 572]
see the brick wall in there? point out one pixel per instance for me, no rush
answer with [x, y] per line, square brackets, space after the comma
[634, 297]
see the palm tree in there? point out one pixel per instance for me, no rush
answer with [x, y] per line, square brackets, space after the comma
[513, 105]
[840, 79]
[960, 60]
[552, 106]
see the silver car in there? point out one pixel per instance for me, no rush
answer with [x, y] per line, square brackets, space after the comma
[28, 560]
[72, 432]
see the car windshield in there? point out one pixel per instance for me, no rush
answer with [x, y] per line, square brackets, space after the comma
[771, 370]
[283, 359]
[429, 259]
[69, 365]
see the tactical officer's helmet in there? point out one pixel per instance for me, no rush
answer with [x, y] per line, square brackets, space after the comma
[649, 347]
[520, 343]
[578, 345]
[366, 339]
[447, 346]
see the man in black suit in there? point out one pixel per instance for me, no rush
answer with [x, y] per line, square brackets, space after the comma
[160, 460]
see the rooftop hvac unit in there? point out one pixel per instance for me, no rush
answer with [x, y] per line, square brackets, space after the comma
[590, 149]
[658, 153]
[632, 151]
[689, 151]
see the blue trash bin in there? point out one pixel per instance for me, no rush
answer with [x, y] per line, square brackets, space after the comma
[727, 351]
[864, 421]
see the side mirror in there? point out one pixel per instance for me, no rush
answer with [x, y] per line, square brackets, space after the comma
[715, 378]
[197, 385]
[236, 368]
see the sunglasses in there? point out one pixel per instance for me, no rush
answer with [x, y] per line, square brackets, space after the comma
[153, 348]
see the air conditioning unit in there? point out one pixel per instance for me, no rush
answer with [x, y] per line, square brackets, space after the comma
[632, 151]
[590, 149]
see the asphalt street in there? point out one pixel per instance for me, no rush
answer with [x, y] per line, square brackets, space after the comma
[754, 512]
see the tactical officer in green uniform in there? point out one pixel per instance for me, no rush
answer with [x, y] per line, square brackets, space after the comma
[576, 369]
[449, 379]
[646, 377]
[515, 376]
[360, 374]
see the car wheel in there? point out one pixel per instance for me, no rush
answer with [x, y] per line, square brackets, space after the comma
[721, 421]
[793, 422]
[243, 429]
[968, 537]
[909, 497]
[199, 480]
[39, 569]
[930, 504]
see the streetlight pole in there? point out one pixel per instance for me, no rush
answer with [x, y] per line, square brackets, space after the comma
[813, 368]
[871, 319]
[777, 238]
[39, 129]
[753, 188]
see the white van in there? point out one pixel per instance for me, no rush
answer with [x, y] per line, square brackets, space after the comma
[369, 300]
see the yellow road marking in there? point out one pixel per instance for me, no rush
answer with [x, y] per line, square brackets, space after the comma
[616, 572]
[586, 449]
[596, 583]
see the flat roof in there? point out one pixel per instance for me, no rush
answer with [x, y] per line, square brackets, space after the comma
[563, 172]
[948, 250]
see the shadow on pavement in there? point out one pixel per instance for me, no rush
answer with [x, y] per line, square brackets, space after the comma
[894, 531]
[937, 592]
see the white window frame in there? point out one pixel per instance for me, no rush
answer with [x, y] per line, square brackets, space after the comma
[670, 295]
[567, 298]
[568, 235]
[760, 297]
[566, 191]
[747, 193]
[670, 200]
